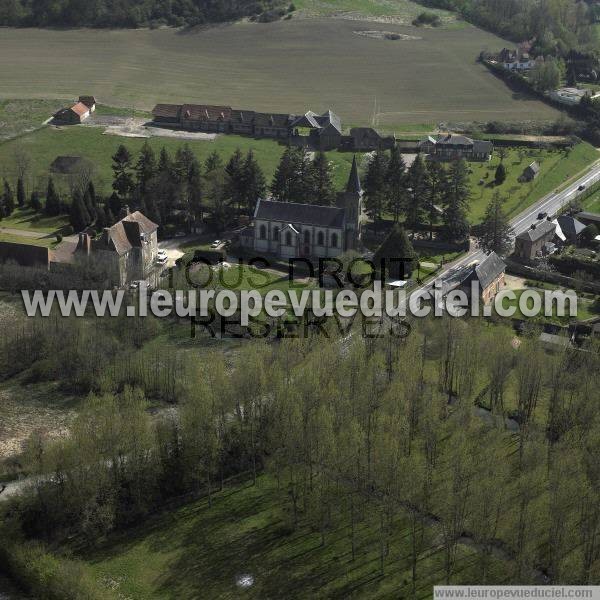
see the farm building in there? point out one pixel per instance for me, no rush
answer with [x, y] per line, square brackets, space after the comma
[214, 119]
[89, 101]
[73, 115]
[366, 139]
[571, 228]
[453, 147]
[167, 114]
[530, 172]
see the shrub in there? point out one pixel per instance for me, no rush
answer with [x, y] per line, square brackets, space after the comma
[427, 18]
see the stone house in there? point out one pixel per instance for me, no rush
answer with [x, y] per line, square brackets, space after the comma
[291, 230]
[530, 244]
[203, 117]
[454, 147]
[129, 248]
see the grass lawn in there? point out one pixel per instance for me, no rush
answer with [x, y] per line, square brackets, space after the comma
[557, 167]
[17, 116]
[46, 242]
[200, 552]
[592, 204]
[28, 220]
[45, 145]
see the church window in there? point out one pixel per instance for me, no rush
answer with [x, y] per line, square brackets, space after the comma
[288, 239]
[321, 239]
[306, 236]
[263, 232]
[276, 234]
[334, 240]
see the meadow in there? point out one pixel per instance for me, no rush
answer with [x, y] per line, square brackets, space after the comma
[197, 551]
[288, 66]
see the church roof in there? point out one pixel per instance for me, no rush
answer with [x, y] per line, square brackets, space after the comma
[306, 214]
[353, 185]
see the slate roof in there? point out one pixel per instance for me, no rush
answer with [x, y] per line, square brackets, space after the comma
[533, 168]
[167, 111]
[329, 118]
[353, 186]
[126, 234]
[482, 147]
[308, 119]
[570, 226]
[487, 271]
[361, 133]
[205, 112]
[272, 120]
[452, 139]
[305, 214]
[245, 117]
[538, 231]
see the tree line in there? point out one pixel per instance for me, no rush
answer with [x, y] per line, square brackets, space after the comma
[372, 439]
[129, 13]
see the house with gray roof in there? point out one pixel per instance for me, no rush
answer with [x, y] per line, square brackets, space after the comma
[291, 230]
[451, 146]
[530, 172]
[571, 228]
[485, 277]
[130, 248]
[530, 243]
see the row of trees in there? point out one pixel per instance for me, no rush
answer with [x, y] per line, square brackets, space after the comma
[371, 440]
[126, 13]
[417, 194]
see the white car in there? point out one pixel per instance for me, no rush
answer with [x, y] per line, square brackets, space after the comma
[216, 244]
[162, 257]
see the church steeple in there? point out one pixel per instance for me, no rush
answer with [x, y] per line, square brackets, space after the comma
[353, 186]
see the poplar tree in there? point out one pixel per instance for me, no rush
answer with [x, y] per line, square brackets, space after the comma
[52, 208]
[396, 179]
[375, 187]
[123, 183]
[20, 193]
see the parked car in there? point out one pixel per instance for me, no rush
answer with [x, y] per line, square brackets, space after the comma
[581, 187]
[216, 244]
[162, 257]
[542, 215]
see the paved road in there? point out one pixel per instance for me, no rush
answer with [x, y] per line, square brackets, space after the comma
[551, 204]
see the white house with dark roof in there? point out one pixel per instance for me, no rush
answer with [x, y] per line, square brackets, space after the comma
[531, 243]
[290, 230]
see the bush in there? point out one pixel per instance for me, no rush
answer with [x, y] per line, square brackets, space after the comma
[48, 577]
[427, 18]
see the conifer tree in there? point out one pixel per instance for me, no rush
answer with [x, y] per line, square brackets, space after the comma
[8, 200]
[79, 216]
[213, 162]
[396, 253]
[495, 232]
[375, 187]
[435, 195]
[282, 179]
[500, 175]
[456, 198]
[323, 192]
[52, 200]
[194, 188]
[420, 188]
[34, 201]
[20, 193]
[234, 181]
[123, 183]
[396, 179]
[255, 185]
[145, 169]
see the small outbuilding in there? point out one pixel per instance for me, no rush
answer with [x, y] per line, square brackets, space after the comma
[530, 172]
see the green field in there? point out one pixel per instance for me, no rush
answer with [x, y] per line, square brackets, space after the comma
[17, 116]
[197, 552]
[46, 242]
[592, 204]
[45, 145]
[28, 220]
[288, 66]
[556, 168]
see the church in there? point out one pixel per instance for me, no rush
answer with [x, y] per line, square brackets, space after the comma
[291, 230]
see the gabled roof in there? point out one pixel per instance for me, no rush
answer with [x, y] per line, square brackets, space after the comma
[273, 120]
[128, 233]
[243, 116]
[487, 271]
[361, 133]
[534, 168]
[538, 231]
[205, 112]
[589, 216]
[452, 139]
[79, 109]
[329, 118]
[482, 146]
[89, 101]
[167, 111]
[570, 226]
[307, 120]
[304, 214]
